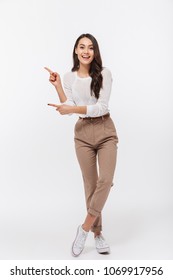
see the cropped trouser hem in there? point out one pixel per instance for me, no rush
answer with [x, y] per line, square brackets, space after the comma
[96, 229]
[93, 212]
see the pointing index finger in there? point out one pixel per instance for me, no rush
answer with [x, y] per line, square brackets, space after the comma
[50, 71]
[54, 105]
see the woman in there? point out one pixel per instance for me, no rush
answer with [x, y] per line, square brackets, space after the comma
[86, 91]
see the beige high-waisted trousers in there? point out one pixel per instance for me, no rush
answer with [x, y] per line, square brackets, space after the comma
[96, 149]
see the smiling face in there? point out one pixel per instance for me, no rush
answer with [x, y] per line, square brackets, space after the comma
[85, 51]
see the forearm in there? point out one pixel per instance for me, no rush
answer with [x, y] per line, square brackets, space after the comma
[61, 93]
[79, 109]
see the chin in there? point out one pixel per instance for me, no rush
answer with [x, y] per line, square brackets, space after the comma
[86, 62]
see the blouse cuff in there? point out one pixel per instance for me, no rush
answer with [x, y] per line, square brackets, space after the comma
[93, 110]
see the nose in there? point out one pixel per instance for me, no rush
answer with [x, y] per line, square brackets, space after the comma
[86, 51]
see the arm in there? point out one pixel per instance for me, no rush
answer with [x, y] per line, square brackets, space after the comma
[61, 93]
[101, 106]
[68, 105]
[65, 109]
[56, 81]
[79, 109]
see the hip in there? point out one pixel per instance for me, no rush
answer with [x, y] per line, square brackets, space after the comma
[95, 130]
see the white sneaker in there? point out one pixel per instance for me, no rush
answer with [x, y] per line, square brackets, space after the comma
[101, 246]
[79, 242]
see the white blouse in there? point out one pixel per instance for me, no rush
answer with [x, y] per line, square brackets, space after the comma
[78, 93]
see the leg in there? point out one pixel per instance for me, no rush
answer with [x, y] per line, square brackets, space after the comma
[107, 160]
[86, 155]
[97, 225]
[89, 220]
[107, 154]
[87, 160]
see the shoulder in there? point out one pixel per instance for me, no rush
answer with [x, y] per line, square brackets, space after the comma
[106, 73]
[69, 77]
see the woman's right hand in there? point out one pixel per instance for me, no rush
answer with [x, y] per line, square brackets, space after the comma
[54, 77]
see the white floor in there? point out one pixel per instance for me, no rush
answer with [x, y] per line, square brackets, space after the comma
[133, 232]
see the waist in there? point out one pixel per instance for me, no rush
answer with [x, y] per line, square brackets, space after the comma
[96, 118]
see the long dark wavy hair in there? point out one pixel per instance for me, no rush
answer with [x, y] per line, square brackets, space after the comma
[95, 67]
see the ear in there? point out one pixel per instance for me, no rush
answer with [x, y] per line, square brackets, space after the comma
[75, 50]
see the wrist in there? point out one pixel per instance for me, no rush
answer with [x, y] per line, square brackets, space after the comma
[58, 86]
[73, 110]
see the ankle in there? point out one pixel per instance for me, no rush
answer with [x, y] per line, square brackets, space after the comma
[97, 234]
[85, 228]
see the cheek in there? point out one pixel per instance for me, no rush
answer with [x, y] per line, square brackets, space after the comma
[92, 56]
[79, 53]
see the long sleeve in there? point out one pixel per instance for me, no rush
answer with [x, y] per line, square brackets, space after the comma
[67, 84]
[101, 106]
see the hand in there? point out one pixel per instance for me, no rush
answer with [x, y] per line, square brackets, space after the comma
[54, 77]
[63, 109]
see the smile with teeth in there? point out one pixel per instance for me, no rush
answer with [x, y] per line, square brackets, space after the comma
[85, 56]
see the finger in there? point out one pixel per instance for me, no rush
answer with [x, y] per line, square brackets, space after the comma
[53, 76]
[50, 71]
[53, 105]
[52, 79]
[58, 108]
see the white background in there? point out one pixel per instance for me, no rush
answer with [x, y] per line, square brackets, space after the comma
[41, 189]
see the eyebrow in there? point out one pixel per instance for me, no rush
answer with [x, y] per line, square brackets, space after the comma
[86, 45]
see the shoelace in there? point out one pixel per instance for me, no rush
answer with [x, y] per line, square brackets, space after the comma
[79, 243]
[101, 241]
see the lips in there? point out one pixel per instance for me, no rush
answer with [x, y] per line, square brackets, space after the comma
[85, 57]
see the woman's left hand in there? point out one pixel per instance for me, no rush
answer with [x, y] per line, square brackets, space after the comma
[63, 109]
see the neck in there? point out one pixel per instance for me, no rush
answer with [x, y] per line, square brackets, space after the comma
[84, 70]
